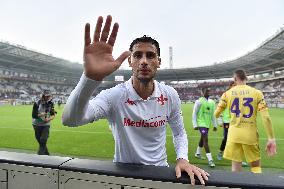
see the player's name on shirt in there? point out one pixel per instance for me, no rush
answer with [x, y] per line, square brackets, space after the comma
[241, 92]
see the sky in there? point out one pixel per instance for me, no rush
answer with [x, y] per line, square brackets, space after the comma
[201, 32]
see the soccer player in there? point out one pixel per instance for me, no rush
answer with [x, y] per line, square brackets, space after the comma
[202, 119]
[243, 103]
[137, 110]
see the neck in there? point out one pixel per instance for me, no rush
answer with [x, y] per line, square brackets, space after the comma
[241, 82]
[143, 89]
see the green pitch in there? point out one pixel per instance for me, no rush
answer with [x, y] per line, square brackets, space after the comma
[95, 140]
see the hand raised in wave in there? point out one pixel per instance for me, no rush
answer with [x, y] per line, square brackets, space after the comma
[98, 59]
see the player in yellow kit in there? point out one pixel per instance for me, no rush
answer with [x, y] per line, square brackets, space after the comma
[243, 103]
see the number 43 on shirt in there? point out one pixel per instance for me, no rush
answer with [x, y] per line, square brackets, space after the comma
[235, 108]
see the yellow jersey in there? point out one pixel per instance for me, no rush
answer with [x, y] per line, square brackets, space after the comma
[243, 103]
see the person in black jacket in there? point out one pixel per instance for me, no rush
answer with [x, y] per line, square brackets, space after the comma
[43, 113]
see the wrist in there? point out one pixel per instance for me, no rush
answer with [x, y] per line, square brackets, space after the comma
[94, 77]
[181, 159]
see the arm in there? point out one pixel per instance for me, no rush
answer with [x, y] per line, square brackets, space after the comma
[271, 143]
[195, 111]
[181, 144]
[49, 118]
[52, 113]
[98, 63]
[267, 124]
[35, 111]
[177, 126]
[214, 120]
[221, 105]
[262, 108]
[78, 110]
[179, 135]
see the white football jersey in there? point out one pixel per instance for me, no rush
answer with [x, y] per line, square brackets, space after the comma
[138, 126]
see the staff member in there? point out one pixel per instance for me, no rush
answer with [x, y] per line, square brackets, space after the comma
[43, 113]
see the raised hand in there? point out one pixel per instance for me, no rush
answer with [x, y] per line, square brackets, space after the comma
[98, 59]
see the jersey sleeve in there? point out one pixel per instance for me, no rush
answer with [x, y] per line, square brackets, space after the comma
[35, 111]
[195, 111]
[79, 109]
[213, 119]
[177, 126]
[221, 105]
[261, 104]
[52, 110]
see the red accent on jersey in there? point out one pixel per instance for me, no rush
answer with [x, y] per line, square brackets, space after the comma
[162, 99]
[130, 102]
[143, 123]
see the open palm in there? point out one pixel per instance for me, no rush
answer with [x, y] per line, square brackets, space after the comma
[98, 59]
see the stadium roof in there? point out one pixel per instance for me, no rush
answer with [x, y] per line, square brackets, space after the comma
[16, 57]
[269, 56]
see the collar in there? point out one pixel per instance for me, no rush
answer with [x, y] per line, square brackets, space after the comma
[202, 97]
[135, 97]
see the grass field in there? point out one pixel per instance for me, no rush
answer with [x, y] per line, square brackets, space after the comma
[95, 140]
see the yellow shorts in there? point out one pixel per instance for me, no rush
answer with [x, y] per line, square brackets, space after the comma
[237, 152]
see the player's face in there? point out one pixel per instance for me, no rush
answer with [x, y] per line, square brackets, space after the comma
[206, 93]
[47, 98]
[144, 61]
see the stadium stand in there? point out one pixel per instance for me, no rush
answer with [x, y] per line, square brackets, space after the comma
[24, 73]
[24, 90]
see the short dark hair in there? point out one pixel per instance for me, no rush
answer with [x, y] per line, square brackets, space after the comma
[145, 39]
[241, 74]
[46, 92]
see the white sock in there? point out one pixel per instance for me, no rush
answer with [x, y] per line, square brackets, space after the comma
[198, 150]
[209, 156]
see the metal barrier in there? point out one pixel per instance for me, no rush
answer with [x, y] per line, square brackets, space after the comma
[29, 171]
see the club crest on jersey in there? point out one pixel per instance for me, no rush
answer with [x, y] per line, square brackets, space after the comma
[130, 102]
[162, 99]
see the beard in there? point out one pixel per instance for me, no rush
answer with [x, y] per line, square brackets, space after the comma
[145, 81]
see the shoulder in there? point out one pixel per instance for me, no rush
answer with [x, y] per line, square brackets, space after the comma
[211, 101]
[259, 93]
[37, 102]
[228, 92]
[198, 101]
[114, 92]
[169, 91]
[255, 90]
[166, 88]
